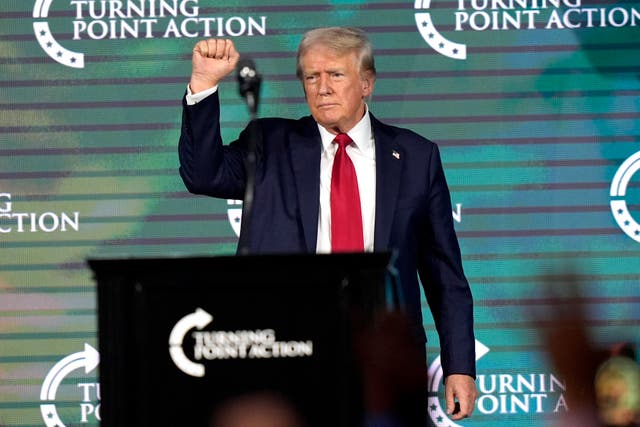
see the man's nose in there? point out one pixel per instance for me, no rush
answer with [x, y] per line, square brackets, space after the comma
[324, 87]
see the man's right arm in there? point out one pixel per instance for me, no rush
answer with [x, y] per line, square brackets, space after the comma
[206, 166]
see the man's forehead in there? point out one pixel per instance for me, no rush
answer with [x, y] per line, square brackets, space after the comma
[326, 58]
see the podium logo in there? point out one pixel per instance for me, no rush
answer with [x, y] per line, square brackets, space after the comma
[221, 345]
[619, 206]
[86, 361]
[198, 319]
[133, 19]
[512, 15]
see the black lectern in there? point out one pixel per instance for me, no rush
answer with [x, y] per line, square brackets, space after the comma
[179, 337]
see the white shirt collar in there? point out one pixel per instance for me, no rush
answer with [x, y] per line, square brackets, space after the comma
[361, 134]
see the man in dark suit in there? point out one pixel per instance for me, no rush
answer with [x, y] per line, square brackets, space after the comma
[404, 199]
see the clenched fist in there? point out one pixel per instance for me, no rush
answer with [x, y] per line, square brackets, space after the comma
[212, 60]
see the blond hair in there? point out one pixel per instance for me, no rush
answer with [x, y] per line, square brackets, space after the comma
[342, 40]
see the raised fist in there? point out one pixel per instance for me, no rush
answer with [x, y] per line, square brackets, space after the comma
[212, 60]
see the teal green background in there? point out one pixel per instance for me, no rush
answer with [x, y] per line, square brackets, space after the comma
[532, 127]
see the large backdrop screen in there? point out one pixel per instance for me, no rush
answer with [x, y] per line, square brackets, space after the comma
[535, 105]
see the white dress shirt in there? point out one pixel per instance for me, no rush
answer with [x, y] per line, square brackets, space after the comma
[363, 155]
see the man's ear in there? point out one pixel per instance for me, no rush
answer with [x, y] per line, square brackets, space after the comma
[368, 81]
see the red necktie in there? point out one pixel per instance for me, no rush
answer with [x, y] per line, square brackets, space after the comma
[346, 216]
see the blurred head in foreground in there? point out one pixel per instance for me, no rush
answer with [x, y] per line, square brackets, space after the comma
[261, 409]
[617, 387]
[602, 384]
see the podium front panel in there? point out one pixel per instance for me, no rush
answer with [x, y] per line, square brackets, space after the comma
[180, 337]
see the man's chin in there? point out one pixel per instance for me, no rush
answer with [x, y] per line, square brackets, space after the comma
[326, 122]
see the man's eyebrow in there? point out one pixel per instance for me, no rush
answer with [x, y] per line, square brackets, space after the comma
[336, 70]
[318, 71]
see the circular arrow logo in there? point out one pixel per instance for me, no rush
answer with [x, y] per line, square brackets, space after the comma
[618, 194]
[432, 36]
[437, 414]
[198, 319]
[48, 42]
[87, 360]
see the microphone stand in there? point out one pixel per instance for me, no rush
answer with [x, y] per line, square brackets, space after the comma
[249, 89]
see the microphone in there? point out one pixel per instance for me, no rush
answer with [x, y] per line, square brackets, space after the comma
[249, 83]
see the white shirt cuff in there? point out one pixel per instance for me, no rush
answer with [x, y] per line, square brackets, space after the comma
[194, 98]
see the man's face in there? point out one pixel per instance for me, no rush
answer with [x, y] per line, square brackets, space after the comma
[335, 88]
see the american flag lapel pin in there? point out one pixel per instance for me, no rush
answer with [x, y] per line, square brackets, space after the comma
[395, 154]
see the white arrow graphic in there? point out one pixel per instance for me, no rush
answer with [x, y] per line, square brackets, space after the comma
[87, 359]
[198, 319]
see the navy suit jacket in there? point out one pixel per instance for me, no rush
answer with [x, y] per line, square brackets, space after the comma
[413, 208]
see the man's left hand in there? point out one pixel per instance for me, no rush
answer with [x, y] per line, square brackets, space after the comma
[460, 388]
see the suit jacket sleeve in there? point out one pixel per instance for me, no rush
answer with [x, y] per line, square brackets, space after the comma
[206, 165]
[441, 272]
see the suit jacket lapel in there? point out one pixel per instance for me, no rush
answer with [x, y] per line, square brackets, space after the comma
[389, 159]
[305, 149]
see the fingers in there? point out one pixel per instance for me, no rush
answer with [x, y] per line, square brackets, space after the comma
[216, 49]
[450, 400]
[230, 50]
[460, 396]
[212, 61]
[463, 409]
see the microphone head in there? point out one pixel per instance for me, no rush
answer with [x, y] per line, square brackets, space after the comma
[248, 77]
